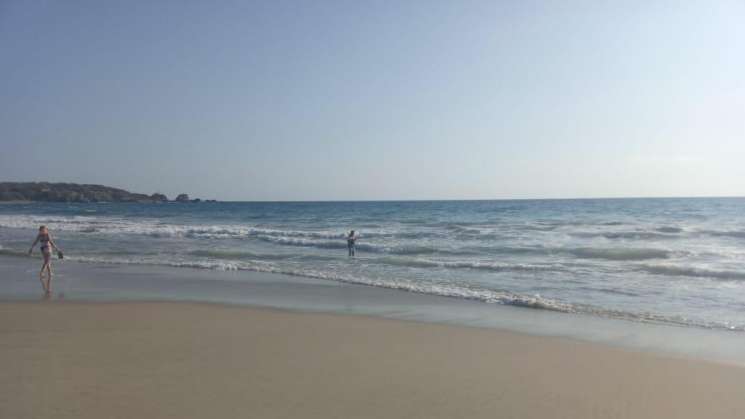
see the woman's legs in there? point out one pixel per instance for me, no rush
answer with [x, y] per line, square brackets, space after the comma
[48, 267]
[41, 275]
[49, 277]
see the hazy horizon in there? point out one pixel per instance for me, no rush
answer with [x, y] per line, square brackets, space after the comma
[335, 101]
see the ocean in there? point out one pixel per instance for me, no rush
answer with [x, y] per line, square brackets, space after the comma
[674, 262]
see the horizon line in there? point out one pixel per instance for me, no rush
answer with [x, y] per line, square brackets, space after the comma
[482, 199]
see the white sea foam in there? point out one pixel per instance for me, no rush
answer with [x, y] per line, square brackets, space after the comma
[460, 291]
[157, 228]
[415, 262]
[439, 289]
[401, 249]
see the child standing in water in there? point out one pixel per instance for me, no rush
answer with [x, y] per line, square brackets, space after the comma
[351, 239]
[47, 244]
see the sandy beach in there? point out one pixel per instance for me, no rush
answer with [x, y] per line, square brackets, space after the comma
[159, 360]
[372, 210]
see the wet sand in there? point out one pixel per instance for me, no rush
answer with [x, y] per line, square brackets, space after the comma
[163, 360]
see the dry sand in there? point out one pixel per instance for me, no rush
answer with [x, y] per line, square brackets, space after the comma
[170, 360]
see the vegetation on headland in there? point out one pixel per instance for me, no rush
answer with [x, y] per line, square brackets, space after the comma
[72, 192]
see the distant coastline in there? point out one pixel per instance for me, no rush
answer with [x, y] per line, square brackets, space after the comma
[27, 192]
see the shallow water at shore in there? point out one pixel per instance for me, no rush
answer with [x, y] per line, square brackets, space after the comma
[117, 283]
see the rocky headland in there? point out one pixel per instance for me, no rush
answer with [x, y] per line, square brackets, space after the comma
[73, 192]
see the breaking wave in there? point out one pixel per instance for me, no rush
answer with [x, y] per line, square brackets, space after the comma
[670, 230]
[736, 234]
[619, 254]
[671, 270]
[641, 235]
[463, 264]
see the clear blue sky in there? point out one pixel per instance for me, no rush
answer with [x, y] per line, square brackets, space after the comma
[312, 100]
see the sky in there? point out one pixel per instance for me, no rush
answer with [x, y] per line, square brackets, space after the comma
[368, 100]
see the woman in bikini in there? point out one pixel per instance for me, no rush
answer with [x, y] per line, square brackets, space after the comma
[47, 244]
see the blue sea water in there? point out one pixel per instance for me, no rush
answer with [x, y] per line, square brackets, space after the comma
[670, 261]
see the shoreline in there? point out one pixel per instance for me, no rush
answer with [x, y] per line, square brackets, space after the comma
[93, 282]
[168, 359]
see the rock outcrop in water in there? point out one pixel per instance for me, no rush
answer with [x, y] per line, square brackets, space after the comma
[159, 197]
[184, 199]
[73, 192]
